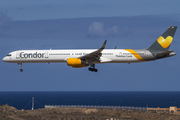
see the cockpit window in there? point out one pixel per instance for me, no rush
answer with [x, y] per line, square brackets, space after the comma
[9, 55]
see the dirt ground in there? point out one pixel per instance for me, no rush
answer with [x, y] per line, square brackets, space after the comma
[10, 113]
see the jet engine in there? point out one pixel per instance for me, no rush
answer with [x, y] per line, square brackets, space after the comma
[76, 62]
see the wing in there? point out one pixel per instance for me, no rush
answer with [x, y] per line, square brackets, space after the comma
[94, 56]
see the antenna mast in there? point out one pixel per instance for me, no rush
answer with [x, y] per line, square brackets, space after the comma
[32, 103]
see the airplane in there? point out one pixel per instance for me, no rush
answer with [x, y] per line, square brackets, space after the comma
[78, 58]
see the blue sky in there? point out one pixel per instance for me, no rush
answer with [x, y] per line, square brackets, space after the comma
[82, 24]
[58, 9]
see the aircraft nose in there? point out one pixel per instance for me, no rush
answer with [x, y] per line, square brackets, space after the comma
[4, 59]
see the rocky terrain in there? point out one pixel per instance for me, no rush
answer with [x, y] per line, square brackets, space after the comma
[10, 113]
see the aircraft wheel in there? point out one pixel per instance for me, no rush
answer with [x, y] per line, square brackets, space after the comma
[21, 70]
[95, 70]
[90, 69]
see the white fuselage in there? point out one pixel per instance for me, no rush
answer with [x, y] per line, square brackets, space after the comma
[89, 57]
[50, 56]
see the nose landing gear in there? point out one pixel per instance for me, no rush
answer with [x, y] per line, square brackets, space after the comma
[21, 69]
[20, 66]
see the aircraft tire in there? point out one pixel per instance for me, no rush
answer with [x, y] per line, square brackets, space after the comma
[90, 69]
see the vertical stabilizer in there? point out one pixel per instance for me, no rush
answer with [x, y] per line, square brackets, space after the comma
[164, 41]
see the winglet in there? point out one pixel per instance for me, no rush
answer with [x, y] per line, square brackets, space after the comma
[104, 44]
[94, 54]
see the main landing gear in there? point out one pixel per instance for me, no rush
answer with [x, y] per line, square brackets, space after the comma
[20, 66]
[92, 68]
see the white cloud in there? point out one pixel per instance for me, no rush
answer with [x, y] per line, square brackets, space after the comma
[97, 29]
[113, 30]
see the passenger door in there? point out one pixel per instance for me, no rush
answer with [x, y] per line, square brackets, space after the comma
[17, 55]
[46, 54]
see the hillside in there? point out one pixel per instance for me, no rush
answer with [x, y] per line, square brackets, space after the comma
[10, 113]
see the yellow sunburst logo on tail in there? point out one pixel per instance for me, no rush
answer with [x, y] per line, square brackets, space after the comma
[165, 42]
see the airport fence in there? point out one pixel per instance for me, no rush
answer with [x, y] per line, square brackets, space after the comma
[97, 106]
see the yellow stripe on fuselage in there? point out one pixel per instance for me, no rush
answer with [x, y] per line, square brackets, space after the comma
[135, 54]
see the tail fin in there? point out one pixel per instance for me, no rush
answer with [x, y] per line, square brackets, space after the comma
[164, 41]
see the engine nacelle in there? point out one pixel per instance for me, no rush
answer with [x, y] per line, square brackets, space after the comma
[76, 62]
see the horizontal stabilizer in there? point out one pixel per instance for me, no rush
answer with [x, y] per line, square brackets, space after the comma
[164, 53]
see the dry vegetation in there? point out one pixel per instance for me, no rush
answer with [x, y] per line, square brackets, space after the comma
[10, 113]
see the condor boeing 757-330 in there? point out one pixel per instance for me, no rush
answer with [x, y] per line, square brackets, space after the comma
[89, 57]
